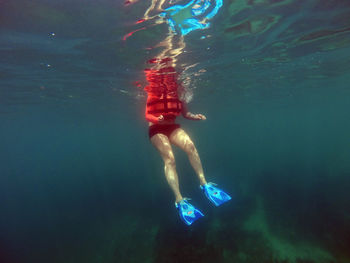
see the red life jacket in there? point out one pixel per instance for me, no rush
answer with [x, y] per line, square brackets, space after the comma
[162, 93]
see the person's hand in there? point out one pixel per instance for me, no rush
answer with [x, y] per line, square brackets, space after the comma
[201, 117]
[160, 118]
[198, 117]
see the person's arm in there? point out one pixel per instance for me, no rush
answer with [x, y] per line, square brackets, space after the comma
[151, 117]
[189, 115]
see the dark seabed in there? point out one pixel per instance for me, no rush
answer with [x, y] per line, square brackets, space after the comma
[80, 181]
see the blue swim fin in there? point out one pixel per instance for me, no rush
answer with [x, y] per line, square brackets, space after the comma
[214, 194]
[188, 213]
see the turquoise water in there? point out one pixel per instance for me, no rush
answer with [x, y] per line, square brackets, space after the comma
[80, 182]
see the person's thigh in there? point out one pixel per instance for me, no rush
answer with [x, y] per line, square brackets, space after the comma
[162, 144]
[181, 139]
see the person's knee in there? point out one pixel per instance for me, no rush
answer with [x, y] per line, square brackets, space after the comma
[169, 160]
[189, 147]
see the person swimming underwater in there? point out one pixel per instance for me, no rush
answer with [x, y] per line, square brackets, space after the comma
[163, 106]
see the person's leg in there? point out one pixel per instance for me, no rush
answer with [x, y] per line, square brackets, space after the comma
[181, 139]
[162, 143]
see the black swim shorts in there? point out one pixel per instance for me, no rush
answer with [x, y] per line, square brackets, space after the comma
[166, 129]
